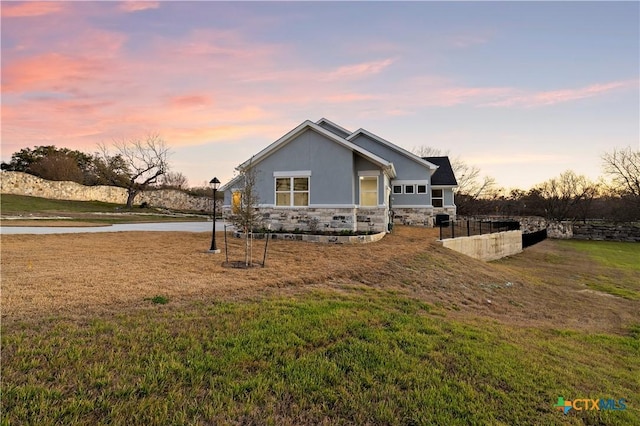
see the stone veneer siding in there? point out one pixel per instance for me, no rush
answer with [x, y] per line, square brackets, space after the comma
[420, 216]
[18, 183]
[322, 219]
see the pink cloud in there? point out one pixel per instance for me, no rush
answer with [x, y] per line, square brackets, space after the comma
[187, 101]
[553, 97]
[349, 97]
[47, 72]
[359, 70]
[136, 6]
[30, 9]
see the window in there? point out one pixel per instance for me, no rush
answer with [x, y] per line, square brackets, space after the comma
[422, 189]
[437, 199]
[292, 191]
[236, 202]
[409, 189]
[368, 190]
[397, 189]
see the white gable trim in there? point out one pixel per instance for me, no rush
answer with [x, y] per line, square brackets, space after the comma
[332, 124]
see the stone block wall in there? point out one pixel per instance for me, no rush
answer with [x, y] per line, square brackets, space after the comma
[25, 184]
[607, 231]
[413, 216]
[560, 230]
[420, 216]
[321, 219]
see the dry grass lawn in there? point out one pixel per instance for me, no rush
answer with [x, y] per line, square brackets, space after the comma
[78, 275]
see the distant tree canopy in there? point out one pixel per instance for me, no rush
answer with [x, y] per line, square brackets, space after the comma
[51, 163]
[134, 165]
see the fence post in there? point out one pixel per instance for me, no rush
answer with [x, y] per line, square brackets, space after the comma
[468, 230]
[440, 231]
[453, 230]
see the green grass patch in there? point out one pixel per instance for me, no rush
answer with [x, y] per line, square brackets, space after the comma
[620, 255]
[82, 211]
[361, 358]
[15, 204]
[621, 260]
[159, 300]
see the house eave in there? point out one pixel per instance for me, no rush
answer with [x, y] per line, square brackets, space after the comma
[432, 167]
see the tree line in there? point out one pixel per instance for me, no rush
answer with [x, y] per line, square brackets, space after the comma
[569, 196]
[137, 165]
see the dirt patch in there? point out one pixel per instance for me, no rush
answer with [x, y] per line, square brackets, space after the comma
[77, 275]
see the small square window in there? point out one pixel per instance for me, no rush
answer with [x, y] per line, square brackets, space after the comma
[408, 189]
[397, 189]
[422, 189]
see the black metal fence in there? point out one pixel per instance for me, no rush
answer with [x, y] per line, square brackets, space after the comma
[469, 227]
[533, 238]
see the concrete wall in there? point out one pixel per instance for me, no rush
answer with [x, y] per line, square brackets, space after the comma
[487, 247]
[25, 184]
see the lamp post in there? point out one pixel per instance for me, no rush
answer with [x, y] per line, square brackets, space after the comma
[215, 184]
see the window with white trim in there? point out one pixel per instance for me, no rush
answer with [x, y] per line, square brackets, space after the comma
[397, 189]
[368, 191]
[292, 191]
[409, 189]
[437, 198]
[422, 189]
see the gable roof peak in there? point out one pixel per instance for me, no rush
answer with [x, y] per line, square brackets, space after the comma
[333, 127]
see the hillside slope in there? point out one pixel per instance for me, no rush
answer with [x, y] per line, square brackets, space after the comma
[78, 275]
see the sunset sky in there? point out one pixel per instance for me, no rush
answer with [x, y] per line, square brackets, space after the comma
[523, 90]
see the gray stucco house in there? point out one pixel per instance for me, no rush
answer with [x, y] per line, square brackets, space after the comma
[324, 177]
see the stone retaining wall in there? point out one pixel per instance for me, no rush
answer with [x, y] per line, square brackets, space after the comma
[591, 230]
[603, 231]
[25, 184]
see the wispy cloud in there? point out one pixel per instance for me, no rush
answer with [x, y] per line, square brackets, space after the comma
[136, 6]
[30, 9]
[350, 97]
[363, 69]
[467, 40]
[552, 97]
[188, 101]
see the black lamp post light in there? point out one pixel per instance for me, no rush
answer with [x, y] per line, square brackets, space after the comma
[215, 184]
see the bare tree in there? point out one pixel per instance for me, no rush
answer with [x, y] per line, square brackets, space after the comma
[470, 182]
[135, 165]
[623, 167]
[174, 180]
[567, 196]
[245, 214]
